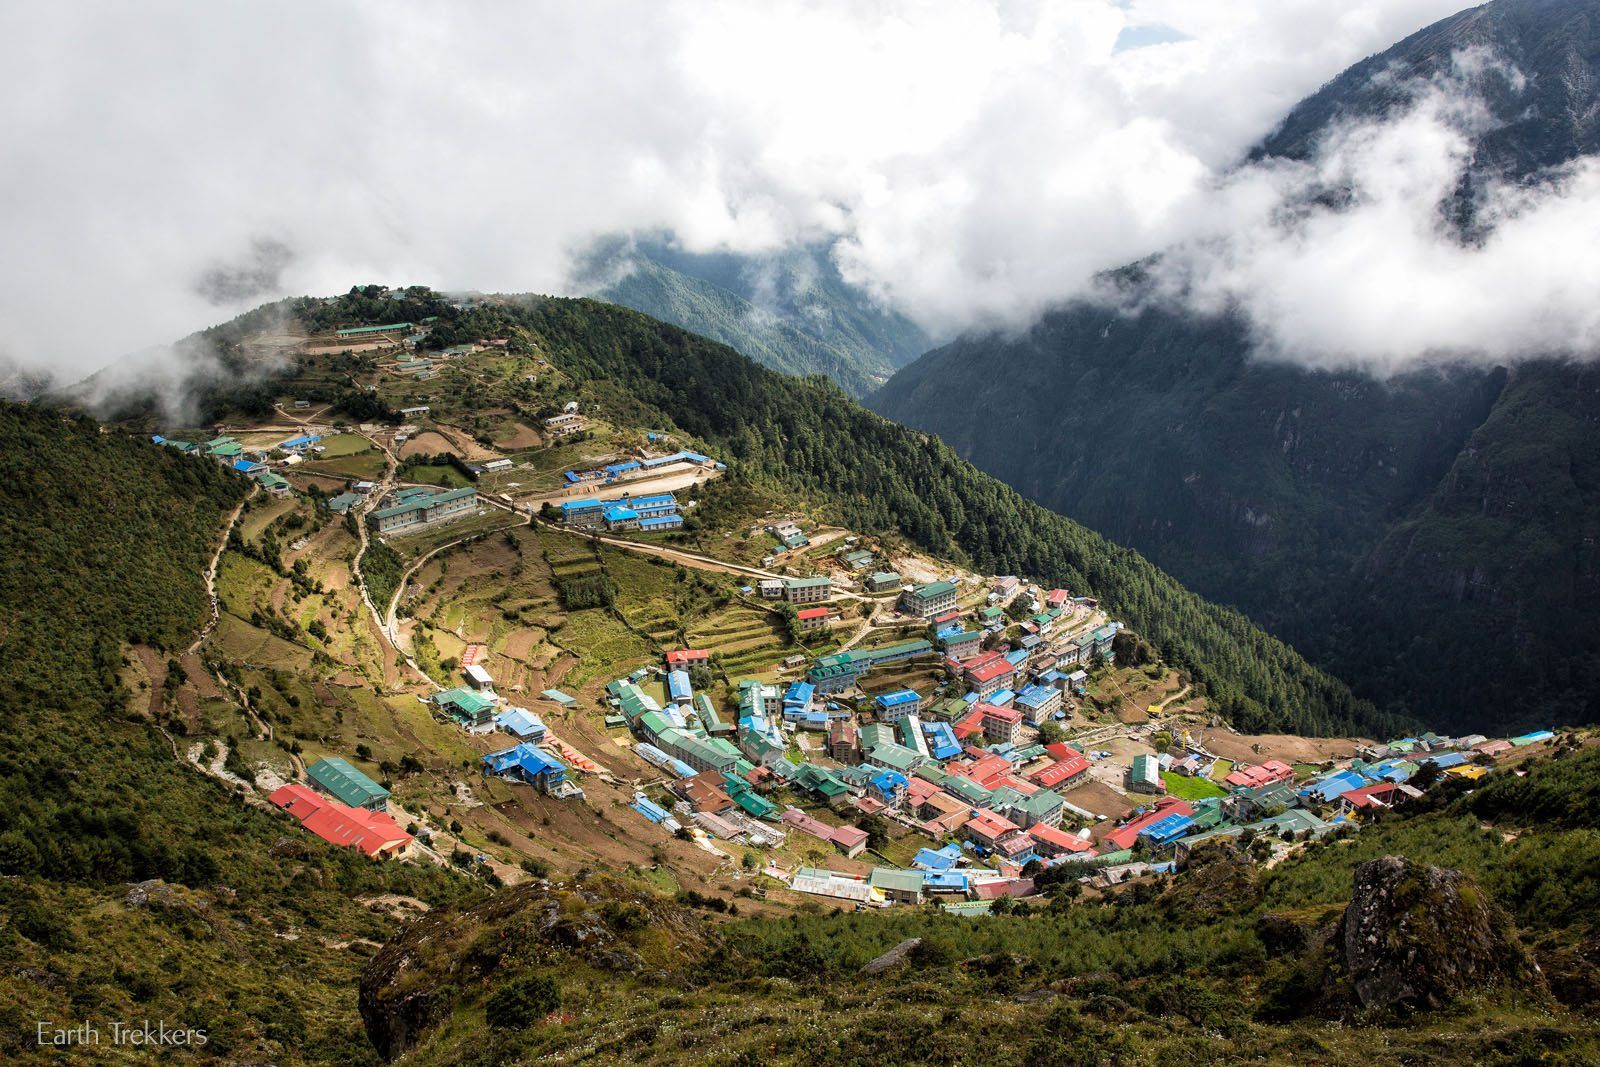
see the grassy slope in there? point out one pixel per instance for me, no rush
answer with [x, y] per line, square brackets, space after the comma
[117, 533]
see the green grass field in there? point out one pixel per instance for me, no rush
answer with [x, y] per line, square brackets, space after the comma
[1192, 788]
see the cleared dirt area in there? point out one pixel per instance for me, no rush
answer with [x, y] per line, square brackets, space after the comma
[426, 443]
[522, 437]
[1253, 748]
[1100, 799]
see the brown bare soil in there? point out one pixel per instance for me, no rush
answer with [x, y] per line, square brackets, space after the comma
[1100, 799]
[1253, 748]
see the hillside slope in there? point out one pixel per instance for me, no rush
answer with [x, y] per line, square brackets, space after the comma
[806, 435]
[242, 931]
[1285, 491]
[791, 311]
[1228, 962]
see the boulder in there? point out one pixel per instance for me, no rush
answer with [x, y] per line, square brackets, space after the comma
[893, 958]
[1416, 937]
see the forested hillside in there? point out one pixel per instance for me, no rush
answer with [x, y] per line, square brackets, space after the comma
[1332, 508]
[791, 311]
[804, 434]
[108, 538]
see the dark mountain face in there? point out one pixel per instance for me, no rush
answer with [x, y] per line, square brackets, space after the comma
[1407, 533]
[790, 310]
[1554, 44]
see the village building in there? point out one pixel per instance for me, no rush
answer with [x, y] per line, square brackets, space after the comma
[530, 764]
[336, 777]
[1002, 726]
[1144, 775]
[374, 833]
[988, 674]
[882, 582]
[567, 422]
[842, 670]
[807, 590]
[897, 886]
[813, 618]
[414, 510]
[894, 706]
[467, 707]
[927, 601]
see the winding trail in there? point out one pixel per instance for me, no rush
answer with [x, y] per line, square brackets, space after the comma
[210, 573]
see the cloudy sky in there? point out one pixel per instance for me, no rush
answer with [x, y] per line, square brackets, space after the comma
[171, 164]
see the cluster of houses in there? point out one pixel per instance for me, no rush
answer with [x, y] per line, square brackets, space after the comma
[963, 770]
[650, 514]
[633, 469]
[257, 463]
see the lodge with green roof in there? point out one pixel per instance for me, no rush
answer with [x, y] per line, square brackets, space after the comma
[926, 601]
[466, 706]
[337, 778]
[413, 509]
[840, 671]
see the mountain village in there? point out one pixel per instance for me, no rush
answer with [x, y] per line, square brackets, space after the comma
[949, 742]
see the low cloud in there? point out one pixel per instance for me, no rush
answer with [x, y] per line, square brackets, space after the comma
[1388, 249]
[970, 163]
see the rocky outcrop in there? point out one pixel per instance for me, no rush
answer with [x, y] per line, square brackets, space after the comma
[1416, 937]
[447, 956]
[893, 958]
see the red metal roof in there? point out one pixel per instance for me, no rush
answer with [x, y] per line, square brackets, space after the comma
[298, 800]
[988, 672]
[1059, 839]
[990, 825]
[687, 655]
[373, 832]
[1011, 715]
[1061, 771]
[1260, 774]
[806, 614]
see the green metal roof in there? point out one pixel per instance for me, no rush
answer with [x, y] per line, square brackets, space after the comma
[891, 878]
[357, 331]
[806, 583]
[338, 777]
[419, 503]
[467, 700]
[932, 590]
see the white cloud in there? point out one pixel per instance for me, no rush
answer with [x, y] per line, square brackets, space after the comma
[976, 161]
[1352, 258]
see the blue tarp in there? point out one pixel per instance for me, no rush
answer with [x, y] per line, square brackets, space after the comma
[650, 810]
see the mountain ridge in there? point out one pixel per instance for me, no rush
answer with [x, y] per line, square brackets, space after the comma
[1281, 490]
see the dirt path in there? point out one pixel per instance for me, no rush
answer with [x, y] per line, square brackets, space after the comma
[678, 555]
[210, 574]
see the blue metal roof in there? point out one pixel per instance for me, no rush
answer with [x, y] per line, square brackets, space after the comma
[1034, 695]
[678, 685]
[1333, 785]
[1167, 828]
[521, 722]
[530, 759]
[897, 698]
[588, 504]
